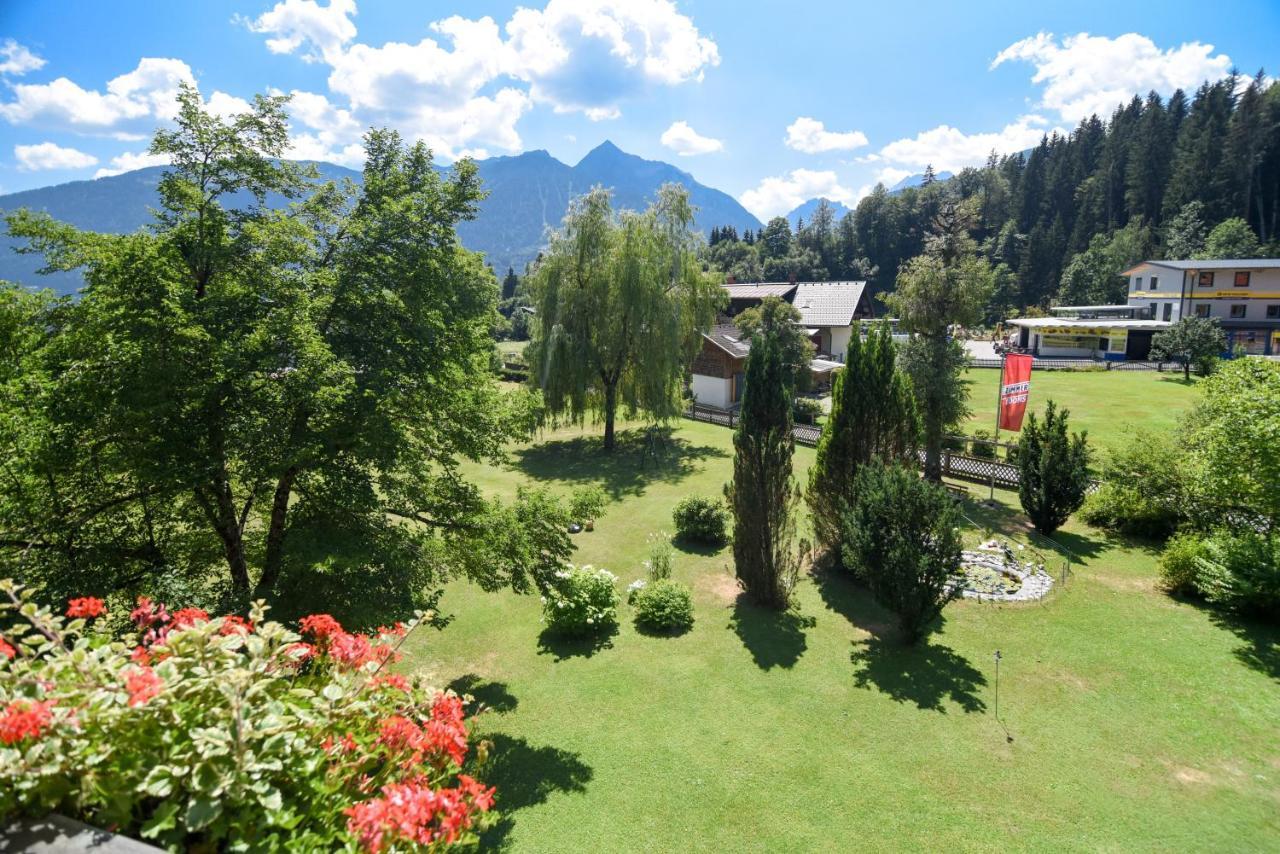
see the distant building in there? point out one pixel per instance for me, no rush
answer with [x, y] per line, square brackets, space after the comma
[719, 369]
[828, 310]
[1241, 294]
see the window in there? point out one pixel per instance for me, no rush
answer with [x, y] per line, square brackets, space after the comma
[1206, 280]
[1242, 279]
[1273, 312]
[1155, 283]
[1168, 311]
[1202, 310]
[1137, 284]
[1237, 310]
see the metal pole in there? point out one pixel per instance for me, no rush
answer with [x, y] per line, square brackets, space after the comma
[997, 684]
[995, 447]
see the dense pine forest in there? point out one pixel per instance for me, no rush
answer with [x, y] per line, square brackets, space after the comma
[1186, 176]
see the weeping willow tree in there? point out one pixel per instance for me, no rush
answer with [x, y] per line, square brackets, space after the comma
[621, 302]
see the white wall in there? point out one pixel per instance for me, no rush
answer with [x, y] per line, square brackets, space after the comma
[840, 341]
[711, 391]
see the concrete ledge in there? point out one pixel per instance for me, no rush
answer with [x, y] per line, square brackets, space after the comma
[57, 834]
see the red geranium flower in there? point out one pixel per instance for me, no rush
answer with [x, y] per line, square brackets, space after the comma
[143, 684]
[321, 627]
[6, 649]
[414, 812]
[185, 618]
[23, 719]
[86, 607]
[232, 624]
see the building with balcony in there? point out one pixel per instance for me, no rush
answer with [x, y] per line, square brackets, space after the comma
[1242, 294]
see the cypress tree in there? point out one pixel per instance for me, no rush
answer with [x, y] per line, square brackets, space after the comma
[1053, 470]
[873, 417]
[763, 496]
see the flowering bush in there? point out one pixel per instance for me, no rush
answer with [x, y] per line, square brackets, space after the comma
[701, 520]
[226, 732]
[581, 601]
[664, 606]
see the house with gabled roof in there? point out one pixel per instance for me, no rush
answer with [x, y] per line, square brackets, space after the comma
[828, 310]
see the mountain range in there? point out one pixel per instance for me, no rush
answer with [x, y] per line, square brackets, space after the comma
[528, 194]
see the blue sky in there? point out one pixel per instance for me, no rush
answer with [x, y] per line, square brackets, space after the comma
[774, 102]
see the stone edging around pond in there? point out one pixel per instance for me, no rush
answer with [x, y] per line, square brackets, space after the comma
[1035, 582]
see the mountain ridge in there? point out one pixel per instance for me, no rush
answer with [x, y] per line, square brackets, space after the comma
[528, 195]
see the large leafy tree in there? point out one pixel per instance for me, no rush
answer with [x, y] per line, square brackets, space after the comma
[873, 418]
[948, 285]
[763, 495]
[1191, 341]
[901, 536]
[1053, 469]
[1232, 238]
[246, 400]
[620, 303]
[1235, 435]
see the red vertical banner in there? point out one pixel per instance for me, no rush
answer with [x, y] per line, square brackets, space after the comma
[1015, 385]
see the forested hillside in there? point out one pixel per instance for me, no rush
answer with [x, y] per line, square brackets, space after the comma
[1191, 175]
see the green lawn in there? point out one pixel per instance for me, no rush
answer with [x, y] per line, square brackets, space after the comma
[1109, 404]
[1128, 720]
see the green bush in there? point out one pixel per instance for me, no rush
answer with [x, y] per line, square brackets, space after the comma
[1241, 570]
[586, 504]
[806, 410]
[979, 448]
[664, 606]
[580, 601]
[701, 520]
[1145, 491]
[1180, 564]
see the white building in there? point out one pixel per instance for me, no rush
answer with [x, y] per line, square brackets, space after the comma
[828, 310]
[1243, 294]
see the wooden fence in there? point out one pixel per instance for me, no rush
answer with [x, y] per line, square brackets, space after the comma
[958, 466]
[1082, 365]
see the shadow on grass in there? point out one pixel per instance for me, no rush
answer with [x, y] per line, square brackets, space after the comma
[1261, 650]
[774, 638]
[489, 695]
[1007, 522]
[526, 775]
[926, 674]
[639, 458]
[696, 547]
[561, 648]
[653, 632]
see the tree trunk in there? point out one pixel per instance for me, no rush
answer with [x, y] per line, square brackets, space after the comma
[933, 455]
[222, 515]
[276, 531]
[1186, 371]
[610, 406]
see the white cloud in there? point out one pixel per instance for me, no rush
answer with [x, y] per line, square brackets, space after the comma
[951, 149]
[292, 24]
[778, 195]
[583, 56]
[812, 137]
[131, 160]
[589, 54]
[686, 141]
[226, 106]
[17, 60]
[47, 155]
[1086, 74]
[130, 105]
